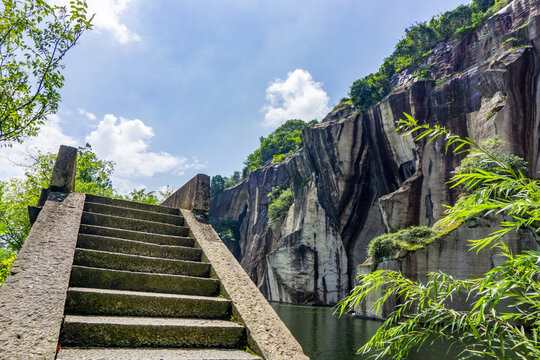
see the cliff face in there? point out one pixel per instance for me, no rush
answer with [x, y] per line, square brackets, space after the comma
[356, 177]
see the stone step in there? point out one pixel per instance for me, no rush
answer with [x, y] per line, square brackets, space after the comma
[133, 213]
[95, 242]
[85, 301]
[132, 204]
[153, 354]
[111, 260]
[89, 277]
[159, 239]
[149, 331]
[118, 222]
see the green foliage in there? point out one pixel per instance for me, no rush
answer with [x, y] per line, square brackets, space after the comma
[226, 229]
[146, 196]
[217, 184]
[382, 247]
[278, 158]
[387, 245]
[143, 196]
[489, 159]
[282, 199]
[34, 37]
[485, 329]
[93, 176]
[286, 139]
[6, 260]
[412, 51]
[232, 180]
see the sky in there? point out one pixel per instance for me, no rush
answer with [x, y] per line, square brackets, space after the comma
[170, 88]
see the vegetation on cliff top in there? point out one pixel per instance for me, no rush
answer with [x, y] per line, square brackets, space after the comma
[286, 139]
[485, 330]
[417, 44]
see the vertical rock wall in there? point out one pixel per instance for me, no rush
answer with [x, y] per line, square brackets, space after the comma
[356, 177]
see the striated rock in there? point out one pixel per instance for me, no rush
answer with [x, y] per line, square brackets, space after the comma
[356, 177]
[451, 255]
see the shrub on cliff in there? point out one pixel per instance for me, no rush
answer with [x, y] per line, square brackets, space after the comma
[387, 245]
[282, 200]
[488, 159]
[423, 313]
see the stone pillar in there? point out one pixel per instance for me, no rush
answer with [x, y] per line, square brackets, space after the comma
[62, 178]
[63, 175]
[194, 195]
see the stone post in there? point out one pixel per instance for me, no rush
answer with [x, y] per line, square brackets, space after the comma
[194, 195]
[63, 175]
[62, 178]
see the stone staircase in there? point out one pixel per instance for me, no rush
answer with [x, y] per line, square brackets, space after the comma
[140, 289]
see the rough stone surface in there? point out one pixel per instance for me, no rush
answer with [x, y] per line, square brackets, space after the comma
[132, 204]
[194, 195]
[129, 262]
[450, 255]
[120, 331]
[159, 239]
[133, 213]
[154, 354]
[356, 177]
[84, 301]
[267, 335]
[64, 170]
[138, 247]
[119, 222]
[141, 281]
[33, 296]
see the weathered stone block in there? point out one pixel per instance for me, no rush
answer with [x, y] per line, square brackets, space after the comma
[194, 195]
[63, 176]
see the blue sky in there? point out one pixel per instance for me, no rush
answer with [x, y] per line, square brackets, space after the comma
[167, 89]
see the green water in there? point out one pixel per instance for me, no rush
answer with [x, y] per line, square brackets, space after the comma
[324, 336]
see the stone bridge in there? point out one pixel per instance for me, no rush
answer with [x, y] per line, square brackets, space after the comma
[103, 278]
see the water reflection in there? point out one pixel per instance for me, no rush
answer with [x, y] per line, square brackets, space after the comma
[324, 336]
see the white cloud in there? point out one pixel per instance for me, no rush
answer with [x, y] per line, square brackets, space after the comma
[126, 142]
[88, 114]
[297, 97]
[107, 17]
[49, 139]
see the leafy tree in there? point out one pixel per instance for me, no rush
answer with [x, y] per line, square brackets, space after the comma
[93, 177]
[217, 184]
[146, 196]
[484, 330]
[232, 180]
[34, 38]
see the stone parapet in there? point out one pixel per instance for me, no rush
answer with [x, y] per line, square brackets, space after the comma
[194, 195]
[33, 296]
[267, 334]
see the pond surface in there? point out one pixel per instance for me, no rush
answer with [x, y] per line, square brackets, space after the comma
[324, 336]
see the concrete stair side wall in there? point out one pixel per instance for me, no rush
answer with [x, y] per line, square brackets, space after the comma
[267, 335]
[32, 298]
